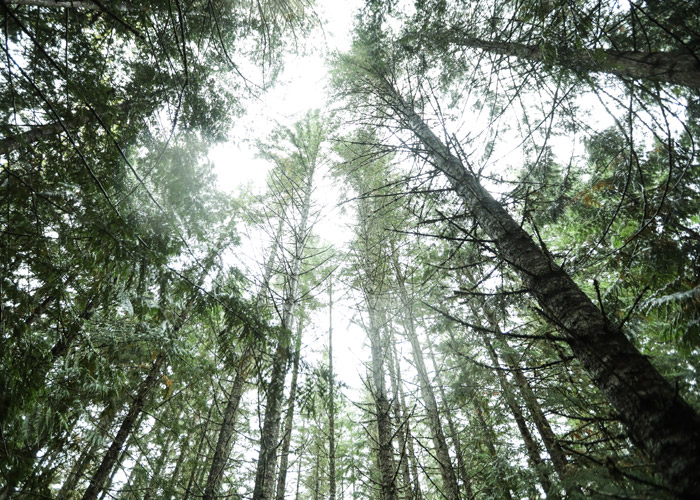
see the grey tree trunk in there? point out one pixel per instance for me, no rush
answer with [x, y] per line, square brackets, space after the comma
[289, 418]
[224, 443]
[400, 415]
[657, 417]
[382, 407]
[442, 455]
[531, 446]
[331, 399]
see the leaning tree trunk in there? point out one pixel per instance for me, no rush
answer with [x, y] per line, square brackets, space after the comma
[657, 417]
[679, 68]
[100, 476]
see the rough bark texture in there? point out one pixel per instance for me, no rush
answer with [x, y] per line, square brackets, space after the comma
[659, 420]
[98, 479]
[679, 68]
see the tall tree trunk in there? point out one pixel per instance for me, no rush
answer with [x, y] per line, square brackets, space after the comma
[103, 424]
[331, 398]
[412, 461]
[442, 455]
[461, 464]
[679, 68]
[198, 460]
[400, 415]
[289, 417]
[385, 451]
[108, 461]
[531, 447]
[657, 417]
[265, 472]
[488, 438]
[223, 444]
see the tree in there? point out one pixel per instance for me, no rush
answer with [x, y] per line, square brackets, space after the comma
[664, 424]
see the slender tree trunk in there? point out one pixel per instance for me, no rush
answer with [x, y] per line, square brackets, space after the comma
[103, 424]
[289, 418]
[223, 444]
[412, 461]
[198, 457]
[109, 460]
[331, 398]
[489, 440]
[533, 451]
[400, 415]
[461, 464]
[442, 455]
[679, 68]
[657, 417]
[265, 472]
[385, 452]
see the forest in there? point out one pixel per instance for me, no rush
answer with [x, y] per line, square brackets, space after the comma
[506, 304]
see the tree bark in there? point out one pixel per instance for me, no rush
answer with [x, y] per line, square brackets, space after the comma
[385, 451]
[461, 465]
[531, 446]
[265, 472]
[657, 417]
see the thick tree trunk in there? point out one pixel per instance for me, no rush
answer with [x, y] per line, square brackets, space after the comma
[289, 418]
[679, 68]
[657, 417]
[109, 460]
